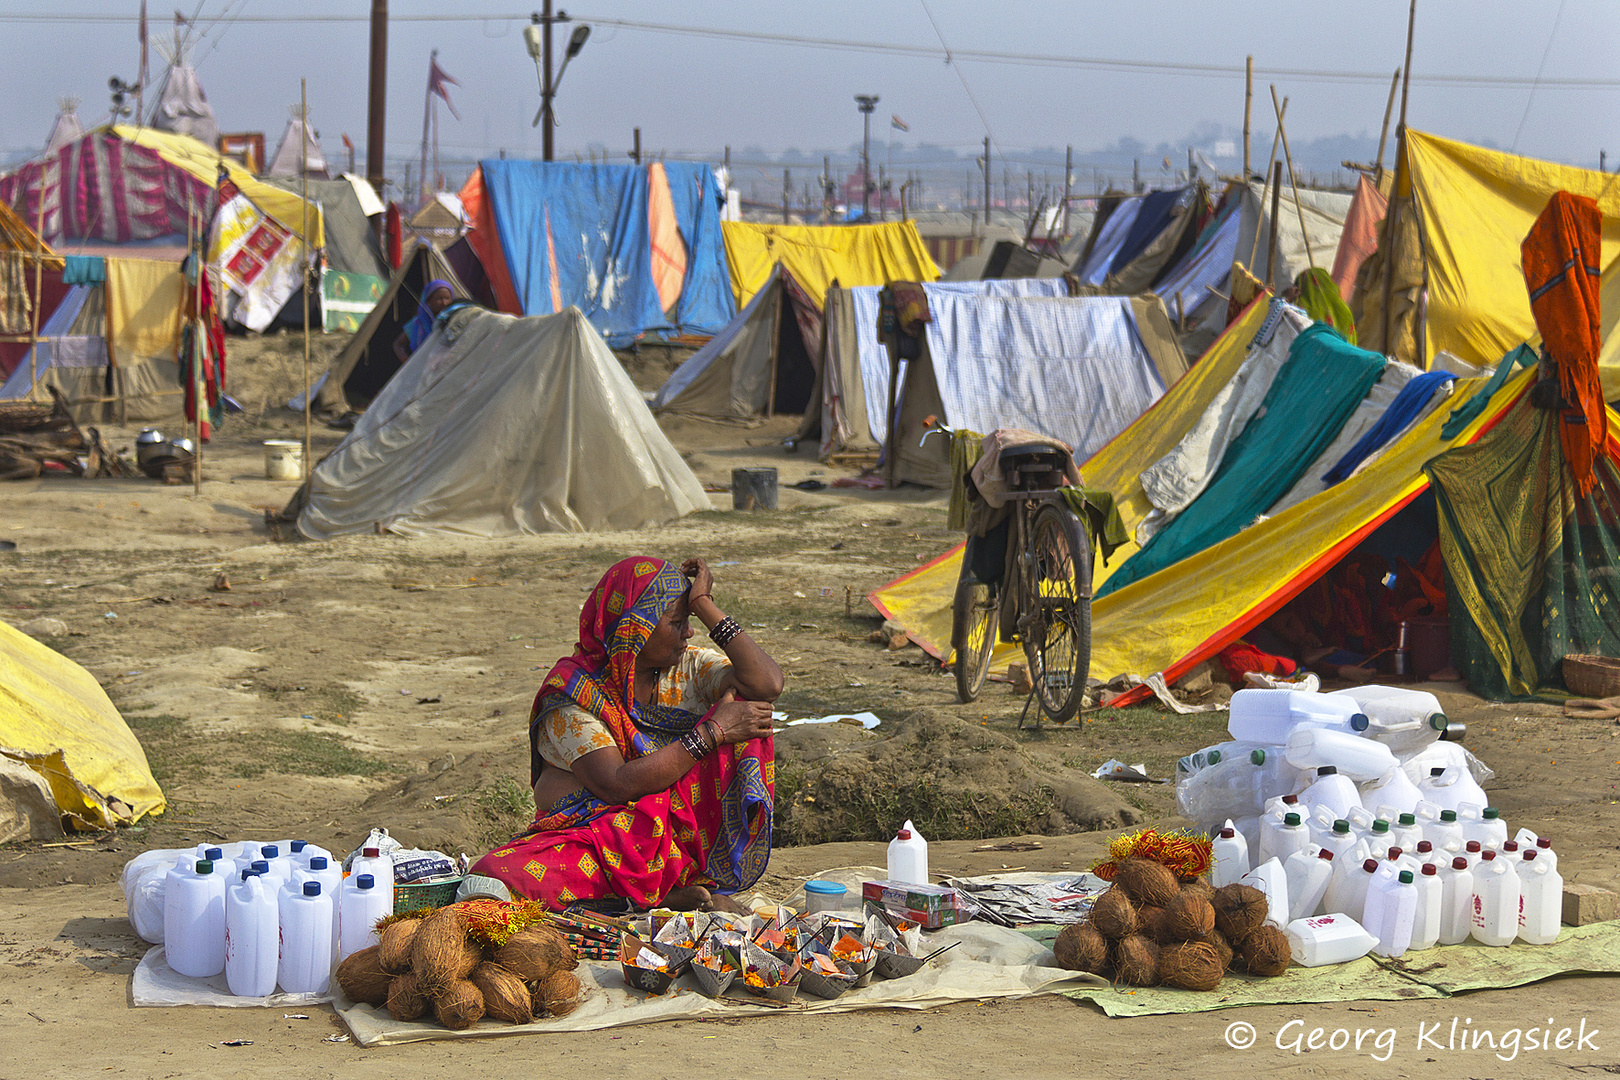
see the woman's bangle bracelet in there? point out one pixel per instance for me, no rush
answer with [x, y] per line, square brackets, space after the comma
[724, 630]
[712, 731]
[695, 745]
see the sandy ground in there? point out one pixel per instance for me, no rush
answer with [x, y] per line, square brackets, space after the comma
[379, 681]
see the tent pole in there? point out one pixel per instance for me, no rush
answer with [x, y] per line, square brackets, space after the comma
[1406, 71]
[1248, 99]
[1276, 211]
[1299, 209]
[303, 106]
[1265, 186]
[1383, 132]
[776, 342]
[39, 284]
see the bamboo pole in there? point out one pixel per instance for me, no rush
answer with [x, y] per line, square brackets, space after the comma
[199, 385]
[1248, 101]
[1383, 132]
[303, 172]
[39, 283]
[1265, 187]
[1310, 256]
[1392, 221]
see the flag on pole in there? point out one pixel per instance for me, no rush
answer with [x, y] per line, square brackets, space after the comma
[896, 122]
[437, 78]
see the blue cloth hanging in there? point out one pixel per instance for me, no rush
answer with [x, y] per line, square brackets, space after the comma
[84, 270]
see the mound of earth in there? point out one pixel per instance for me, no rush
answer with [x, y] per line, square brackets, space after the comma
[955, 780]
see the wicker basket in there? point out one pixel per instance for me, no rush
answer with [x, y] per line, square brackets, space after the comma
[1592, 676]
[434, 894]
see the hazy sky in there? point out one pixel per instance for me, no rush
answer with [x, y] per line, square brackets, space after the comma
[692, 95]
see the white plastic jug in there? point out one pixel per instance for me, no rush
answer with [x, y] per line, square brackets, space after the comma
[1353, 756]
[1330, 790]
[1278, 840]
[381, 868]
[1357, 885]
[1488, 828]
[1274, 777]
[360, 905]
[1391, 909]
[1334, 938]
[1401, 719]
[331, 879]
[1270, 879]
[1229, 855]
[302, 851]
[908, 856]
[1444, 832]
[1394, 790]
[1541, 900]
[1308, 870]
[1268, 716]
[1346, 869]
[252, 936]
[1438, 755]
[1542, 844]
[1405, 833]
[194, 920]
[1249, 829]
[306, 941]
[1456, 902]
[1451, 786]
[1426, 917]
[1496, 901]
[279, 864]
[1339, 840]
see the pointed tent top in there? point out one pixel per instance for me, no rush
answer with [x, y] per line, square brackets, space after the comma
[66, 127]
[182, 107]
[285, 162]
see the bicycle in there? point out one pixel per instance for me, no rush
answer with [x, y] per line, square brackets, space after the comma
[1026, 577]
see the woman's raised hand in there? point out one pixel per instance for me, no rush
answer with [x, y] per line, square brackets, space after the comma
[741, 721]
[702, 578]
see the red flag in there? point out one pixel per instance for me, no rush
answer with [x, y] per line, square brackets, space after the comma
[437, 78]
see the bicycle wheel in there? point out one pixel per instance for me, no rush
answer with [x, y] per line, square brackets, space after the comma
[1058, 638]
[973, 636]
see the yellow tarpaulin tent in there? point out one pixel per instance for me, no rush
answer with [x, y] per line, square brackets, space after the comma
[818, 255]
[1474, 207]
[55, 718]
[203, 161]
[1171, 620]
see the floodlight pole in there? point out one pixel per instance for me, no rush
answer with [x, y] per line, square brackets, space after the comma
[377, 104]
[866, 103]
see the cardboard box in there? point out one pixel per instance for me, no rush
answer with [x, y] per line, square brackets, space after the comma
[930, 906]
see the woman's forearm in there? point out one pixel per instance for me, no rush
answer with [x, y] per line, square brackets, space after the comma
[757, 676]
[610, 778]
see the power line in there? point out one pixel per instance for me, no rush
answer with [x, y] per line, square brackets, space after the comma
[988, 56]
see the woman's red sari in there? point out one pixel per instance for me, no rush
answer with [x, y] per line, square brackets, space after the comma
[713, 828]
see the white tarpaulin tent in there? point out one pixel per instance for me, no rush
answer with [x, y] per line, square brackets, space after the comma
[497, 426]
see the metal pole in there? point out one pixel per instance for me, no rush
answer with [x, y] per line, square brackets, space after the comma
[1383, 132]
[377, 105]
[303, 100]
[987, 179]
[635, 155]
[866, 164]
[826, 187]
[1068, 186]
[546, 89]
[1248, 100]
[787, 192]
[1310, 256]
[427, 115]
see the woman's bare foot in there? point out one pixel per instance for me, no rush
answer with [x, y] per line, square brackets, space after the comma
[688, 898]
[717, 902]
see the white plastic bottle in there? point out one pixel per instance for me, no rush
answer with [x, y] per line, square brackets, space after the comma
[1280, 840]
[1394, 789]
[1405, 833]
[280, 865]
[1273, 776]
[1444, 832]
[1346, 869]
[306, 941]
[1396, 912]
[1308, 870]
[1249, 829]
[1339, 839]
[1542, 844]
[1401, 719]
[1496, 901]
[1451, 786]
[1267, 716]
[252, 936]
[1438, 755]
[1270, 879]
[1357, 758]
[1332, 791]
[1509, 849]
[1541, 900]
[381, 868]
[360, 904]
[1229, 855]
[1358, 887]
[302, 851]
[1471, 851]
[1334, 938]
[1456, 902]
[331, 879]
[194, 921]
[1426, 920]
[908, 856]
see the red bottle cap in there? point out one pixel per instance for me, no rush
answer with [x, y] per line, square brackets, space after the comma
[1371, 866]
[370, 853]
[1459, 863]
[905, 834]
[1429, 869]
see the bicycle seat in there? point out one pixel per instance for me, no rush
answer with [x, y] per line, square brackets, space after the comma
[1024, 450]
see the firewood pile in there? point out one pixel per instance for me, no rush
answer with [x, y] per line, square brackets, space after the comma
[35, 435]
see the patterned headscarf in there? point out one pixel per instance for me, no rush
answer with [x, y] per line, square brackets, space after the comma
[418, 329]
[614, 625]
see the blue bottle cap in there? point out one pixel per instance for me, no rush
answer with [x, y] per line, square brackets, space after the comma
[260, 866]
[1359, 722]
[270, 851]
[250, 872]
[312, 888]
[317, 862]
[365, 881]
[214, 854]
[298, 845]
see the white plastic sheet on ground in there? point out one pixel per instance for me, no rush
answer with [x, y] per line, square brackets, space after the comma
[158, 984]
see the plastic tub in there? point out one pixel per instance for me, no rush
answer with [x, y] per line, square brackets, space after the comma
[283, 459]
[823, 896]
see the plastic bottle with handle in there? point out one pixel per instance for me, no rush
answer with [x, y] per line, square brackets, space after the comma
[908, 856]
[1400, 718]
[1541, 898]
[372, 861]
[1270, 879]
[252, 936]
[1268, 716]
[1281, 839]
[1394, 790]
[1542, 844]
[1331, 790]
[1391, 912]
[1308, 870]
[1451, 786]
[361, 904]
[1357, 758]
[1456, 902]
[1496, 901]
[1334, 938]
[194, 920]
[1229, 854]
[1426, 917]
[306, 941]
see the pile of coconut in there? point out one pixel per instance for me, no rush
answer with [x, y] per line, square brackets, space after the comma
[1150, 929]
[447, 963]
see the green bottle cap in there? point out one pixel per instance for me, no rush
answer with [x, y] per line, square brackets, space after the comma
[1406, 877]
[1257, 757]
[1380, 826]
[1448, 815]
[1408, 819]
[1290, 820]
[1491, 813]
[1341, 826]
[1438, 721]
[1214, 757]
[205, 866]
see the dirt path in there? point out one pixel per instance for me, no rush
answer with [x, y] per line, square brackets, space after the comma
[374, 680]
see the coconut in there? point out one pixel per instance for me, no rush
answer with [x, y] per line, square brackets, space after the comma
[1223, 948]
[1191, 965]
[1136, 961]
[1265, 952]
[1198, 887]
[395, 946]
[505, 996]
[441, 953]
[557, 994]
[1239, 910]
[362, 977]
[460, 1006]
[406, 1002]
[1081, 948]
[1189, 918]
[1114, 915]
[1150, 922]
[1147, 882]
[535, 952]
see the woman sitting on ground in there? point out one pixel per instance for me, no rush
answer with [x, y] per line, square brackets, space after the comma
[651, 760]
[438, 295]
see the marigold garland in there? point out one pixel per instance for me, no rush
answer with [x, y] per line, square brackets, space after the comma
[493, 922]
[1186, 853]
